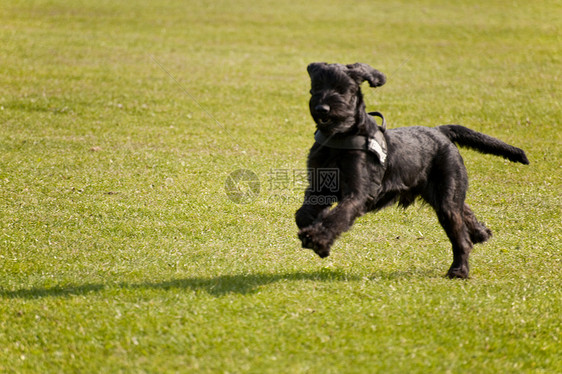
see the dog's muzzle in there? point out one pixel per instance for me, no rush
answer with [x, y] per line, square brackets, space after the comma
[321, 113]
[322, 109]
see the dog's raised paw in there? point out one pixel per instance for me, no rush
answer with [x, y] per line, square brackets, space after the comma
[306, 239]
[311, 238]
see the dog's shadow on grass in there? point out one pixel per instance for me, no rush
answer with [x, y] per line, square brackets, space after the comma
[248, 283]
[216, 286]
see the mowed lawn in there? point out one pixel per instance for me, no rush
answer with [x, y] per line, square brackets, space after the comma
[120, 250]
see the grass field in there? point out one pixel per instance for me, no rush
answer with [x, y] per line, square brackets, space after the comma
[121, 252]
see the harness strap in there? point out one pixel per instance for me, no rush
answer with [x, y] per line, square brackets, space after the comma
[375, 144]
[379, 114]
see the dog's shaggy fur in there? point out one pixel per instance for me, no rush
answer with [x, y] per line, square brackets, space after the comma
[420, 162]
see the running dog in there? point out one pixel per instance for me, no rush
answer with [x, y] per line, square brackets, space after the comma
[378, 167]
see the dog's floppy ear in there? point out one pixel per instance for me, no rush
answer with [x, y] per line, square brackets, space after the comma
[314, 67]
[362, 72]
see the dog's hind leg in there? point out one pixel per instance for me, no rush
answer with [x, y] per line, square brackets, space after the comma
[446, 192]
[453, 223]
[478, 232]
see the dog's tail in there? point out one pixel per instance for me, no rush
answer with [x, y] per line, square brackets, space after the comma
[483, 143]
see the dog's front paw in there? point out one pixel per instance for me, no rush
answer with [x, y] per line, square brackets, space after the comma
[315, 238]
[306, 238]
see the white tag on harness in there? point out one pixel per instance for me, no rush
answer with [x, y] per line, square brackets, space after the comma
[375, 147]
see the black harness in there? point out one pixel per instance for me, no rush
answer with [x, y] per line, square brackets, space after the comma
[375, 144]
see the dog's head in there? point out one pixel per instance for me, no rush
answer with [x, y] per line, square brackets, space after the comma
[336, 94]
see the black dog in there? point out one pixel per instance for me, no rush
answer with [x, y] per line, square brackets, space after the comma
[378, 168]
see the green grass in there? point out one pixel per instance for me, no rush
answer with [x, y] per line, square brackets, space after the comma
[120, 251]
